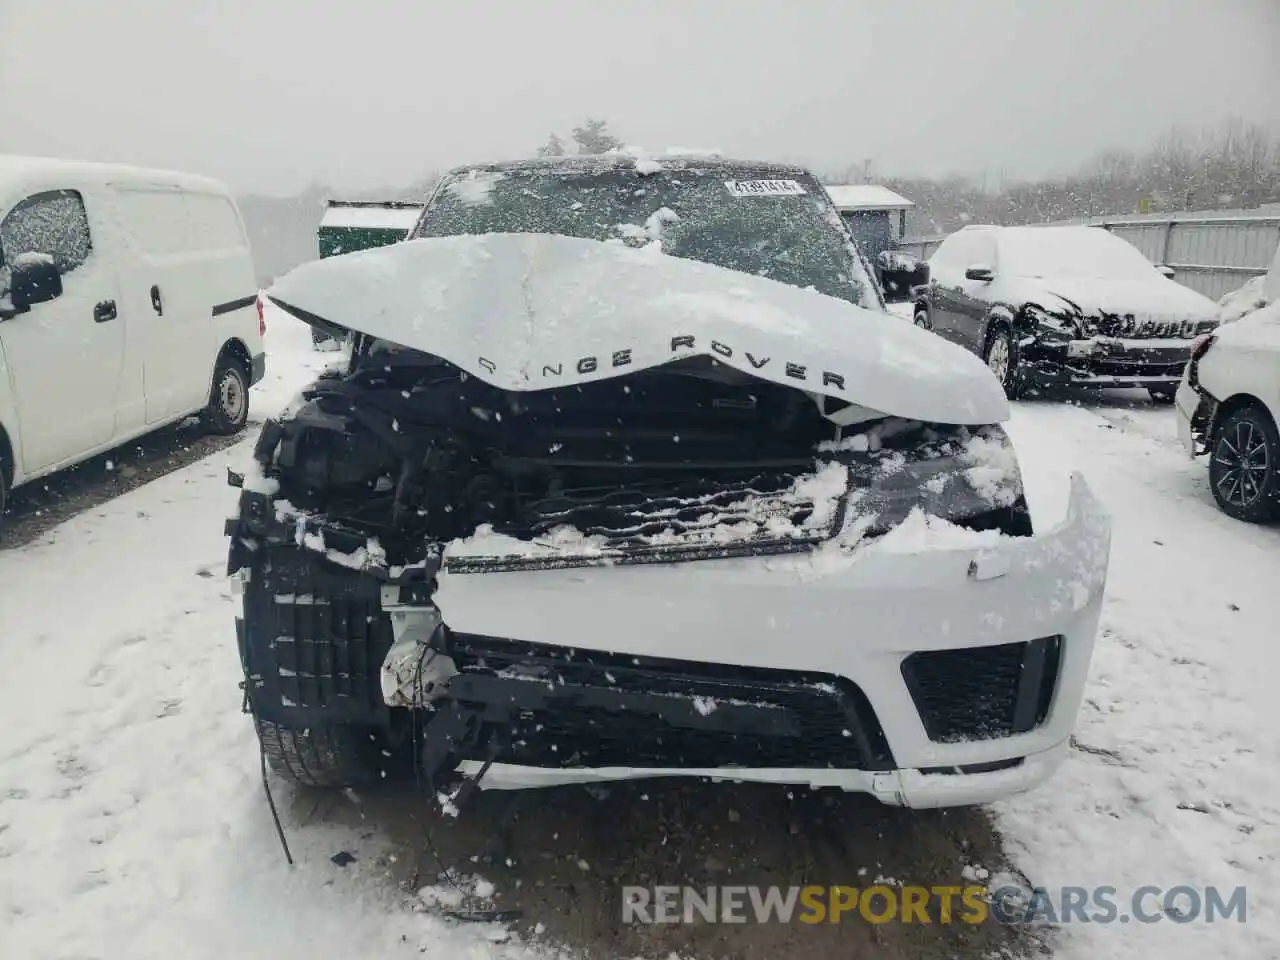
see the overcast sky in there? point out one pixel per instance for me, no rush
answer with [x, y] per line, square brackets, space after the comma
[273, 95]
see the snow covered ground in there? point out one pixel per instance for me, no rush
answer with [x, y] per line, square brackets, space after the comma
[132, 822]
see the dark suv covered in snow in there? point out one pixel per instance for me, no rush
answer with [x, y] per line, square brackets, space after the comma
[630, 474]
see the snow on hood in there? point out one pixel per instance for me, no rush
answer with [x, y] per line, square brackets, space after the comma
[1242, 302]
[1159, 297]
[1259, 330]
[534, 311]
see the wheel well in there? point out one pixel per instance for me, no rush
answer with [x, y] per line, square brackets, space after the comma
[237, 349]
[996, 321]
[1240, 401]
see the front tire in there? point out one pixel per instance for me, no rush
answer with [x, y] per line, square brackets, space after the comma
[228, 409]
[922, 318]
[333, 756]
[1244, 466]
[1001, 356]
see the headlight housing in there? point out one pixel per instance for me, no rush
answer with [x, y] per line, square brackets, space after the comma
[1056, 326]
[966, 479]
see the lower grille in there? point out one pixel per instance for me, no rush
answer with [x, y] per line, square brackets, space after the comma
[1137, 367]
[605, 710]
[981, 693]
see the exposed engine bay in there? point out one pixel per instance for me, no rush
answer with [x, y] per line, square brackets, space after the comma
[408, 449]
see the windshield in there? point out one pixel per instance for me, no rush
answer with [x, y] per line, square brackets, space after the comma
[786, 230]
[1077, 252]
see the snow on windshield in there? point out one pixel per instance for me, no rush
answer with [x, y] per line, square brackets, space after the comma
[1079, 252]
[475, 189]
[783, 229]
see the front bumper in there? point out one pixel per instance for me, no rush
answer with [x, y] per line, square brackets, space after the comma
[857, 618]
[1107, 362]
[1194, 410]
[824, 648]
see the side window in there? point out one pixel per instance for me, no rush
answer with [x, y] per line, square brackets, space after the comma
[54, 223]
[953, 253]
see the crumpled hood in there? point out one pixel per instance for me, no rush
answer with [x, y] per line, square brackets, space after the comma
[534, 311]
[1161, 298]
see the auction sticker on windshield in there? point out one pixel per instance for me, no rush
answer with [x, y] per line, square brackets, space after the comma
[764, 188]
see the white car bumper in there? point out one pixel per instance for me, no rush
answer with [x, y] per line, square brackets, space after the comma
[855, 616]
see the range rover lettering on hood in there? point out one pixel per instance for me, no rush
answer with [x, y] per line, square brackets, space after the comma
[685, 344]
[535, 311]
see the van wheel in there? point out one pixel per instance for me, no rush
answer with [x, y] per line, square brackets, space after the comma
[228, 409]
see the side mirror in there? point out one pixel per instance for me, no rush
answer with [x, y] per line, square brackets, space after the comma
[33, 279]
[981, 273]
[1166, 270]
[900, 275]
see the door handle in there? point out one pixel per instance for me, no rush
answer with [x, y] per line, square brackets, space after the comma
[104, 311]
[156, 303]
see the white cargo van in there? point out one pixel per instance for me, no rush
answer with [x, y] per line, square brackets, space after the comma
[127, 301]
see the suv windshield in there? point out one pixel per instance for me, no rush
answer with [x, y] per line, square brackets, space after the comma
[786, 230]
[1084, 253]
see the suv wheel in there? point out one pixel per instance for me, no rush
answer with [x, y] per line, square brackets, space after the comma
[1244, 469]
[228, 409]
[922, 318]
[332, 756]
[1001, 356]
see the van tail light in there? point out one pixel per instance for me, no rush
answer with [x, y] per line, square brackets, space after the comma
[1200, 346]
[262, 318]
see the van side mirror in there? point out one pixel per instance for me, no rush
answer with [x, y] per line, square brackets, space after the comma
[900, 275]
[1166, 270]
[33, 279]
[980, 272]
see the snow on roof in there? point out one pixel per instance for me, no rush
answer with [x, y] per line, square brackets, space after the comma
[371, 215]
[37, 172]
[866, 196]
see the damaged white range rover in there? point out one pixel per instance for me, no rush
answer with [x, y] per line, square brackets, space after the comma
[630, 475]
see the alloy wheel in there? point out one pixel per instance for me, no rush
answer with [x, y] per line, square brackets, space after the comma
[1243, 454]
[998, 358]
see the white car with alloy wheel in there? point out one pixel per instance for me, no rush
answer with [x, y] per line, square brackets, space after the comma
[1229, 404]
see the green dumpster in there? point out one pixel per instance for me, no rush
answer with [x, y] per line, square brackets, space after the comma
[351, 225]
